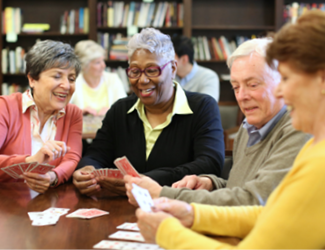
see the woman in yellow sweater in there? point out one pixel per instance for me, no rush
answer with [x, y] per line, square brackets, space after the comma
[293, 216]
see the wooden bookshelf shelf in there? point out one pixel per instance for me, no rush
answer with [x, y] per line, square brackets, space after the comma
[208, 18]
[232, 27]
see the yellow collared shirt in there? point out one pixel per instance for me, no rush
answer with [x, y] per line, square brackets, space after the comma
[180, 107]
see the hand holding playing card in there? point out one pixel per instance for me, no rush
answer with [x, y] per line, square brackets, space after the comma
[148, 223]
[178, 209]
[38, 182]
[85, 181]
[50, 151]
[145, 182]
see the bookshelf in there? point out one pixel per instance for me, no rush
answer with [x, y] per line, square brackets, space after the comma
[211, 18]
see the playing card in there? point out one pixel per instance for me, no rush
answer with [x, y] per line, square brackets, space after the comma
[24, 166]
[129, 226]
[87, 213]
[136, 236]
[45, 220]
[125, 166]
[112, 244]
[35, 215]
[16, 168]
[142, 197]
[10, 172]
[42, 168]
[32, 165]
[114, 173]
[56, 211]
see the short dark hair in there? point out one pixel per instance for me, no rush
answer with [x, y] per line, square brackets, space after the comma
[48, 54]
[183, 46]
[301, 44]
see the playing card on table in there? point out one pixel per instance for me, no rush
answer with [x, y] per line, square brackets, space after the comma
[129, 226]
[125, 166]
[84, 213]
[136, 236]
[56, 210]
[142, 197]
[46, 219]
[112, 244]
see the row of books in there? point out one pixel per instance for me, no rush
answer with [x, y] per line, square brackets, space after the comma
[11, 20]
[8, 89]
[12, 61]
[292, 11]
[214, 48]
[115, 45]
[140, 14]
[75, 21]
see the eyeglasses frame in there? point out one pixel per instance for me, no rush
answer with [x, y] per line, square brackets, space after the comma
[144, 71]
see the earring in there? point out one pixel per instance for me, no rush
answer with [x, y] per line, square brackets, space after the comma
[323, 91]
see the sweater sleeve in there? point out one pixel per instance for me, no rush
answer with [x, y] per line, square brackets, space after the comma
[222, 221]
[257, 190]
[7, 160]
[208, 147]
[69, 162]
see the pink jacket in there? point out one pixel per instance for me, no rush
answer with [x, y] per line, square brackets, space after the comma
[15, 137]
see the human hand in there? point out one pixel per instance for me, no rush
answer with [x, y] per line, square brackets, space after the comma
[112, 185]
[89, 110]
[50, 151]
[148, 223]
[145, 182]
[103, 111]
[85, 181]
[194, 182]
[39, 182]
[179, 209]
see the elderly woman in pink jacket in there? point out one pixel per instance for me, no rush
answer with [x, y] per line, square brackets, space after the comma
[40, 125]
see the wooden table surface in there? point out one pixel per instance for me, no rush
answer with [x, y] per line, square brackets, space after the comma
[16, 230]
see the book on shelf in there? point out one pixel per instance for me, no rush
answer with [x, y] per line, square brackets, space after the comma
[12, 20]
[292, 11]
[75, 21]
[207, 55]
[13, 60]
[140, 14]
[180, 15]
[8, 89]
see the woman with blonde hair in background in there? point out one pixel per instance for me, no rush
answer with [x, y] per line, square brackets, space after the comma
[96, 89]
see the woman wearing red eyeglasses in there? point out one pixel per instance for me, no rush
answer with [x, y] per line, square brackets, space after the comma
[164, 131]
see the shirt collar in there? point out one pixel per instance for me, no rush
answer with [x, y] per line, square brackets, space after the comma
[28, 101]
[263, 132]
[192, 73]
[180, 105]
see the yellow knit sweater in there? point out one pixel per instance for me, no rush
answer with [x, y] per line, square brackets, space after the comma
[293, 217]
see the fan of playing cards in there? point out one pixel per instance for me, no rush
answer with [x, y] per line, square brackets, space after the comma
[18, 169]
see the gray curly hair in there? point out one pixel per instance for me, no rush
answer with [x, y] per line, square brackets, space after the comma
[154, 41]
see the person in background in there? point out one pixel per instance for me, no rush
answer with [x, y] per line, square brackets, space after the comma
[190, 75]
[264, 149]
[96, 89]
[293, 217]
[164, 131]
[40, 125]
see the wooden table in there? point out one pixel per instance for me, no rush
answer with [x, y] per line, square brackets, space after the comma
[16, 230]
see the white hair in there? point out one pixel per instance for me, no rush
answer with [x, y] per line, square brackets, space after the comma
[154, 41]
[87, 51]
[255, 46]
